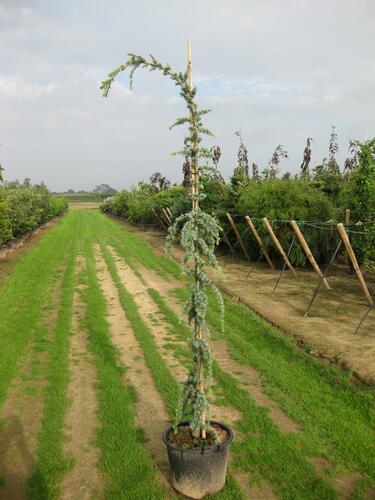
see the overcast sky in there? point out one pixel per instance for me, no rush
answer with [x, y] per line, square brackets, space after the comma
[279, 71]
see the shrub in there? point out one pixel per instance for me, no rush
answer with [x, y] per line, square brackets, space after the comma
[58, 205]
[24, 206]
[283, 200]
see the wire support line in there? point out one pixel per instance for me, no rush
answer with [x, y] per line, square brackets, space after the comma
[284, 266]
[323, 277]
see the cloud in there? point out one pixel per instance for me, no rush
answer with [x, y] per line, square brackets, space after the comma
[21, 90]
[278, 71]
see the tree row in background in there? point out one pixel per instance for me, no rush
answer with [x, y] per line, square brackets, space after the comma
[315, 195]
[23, 207]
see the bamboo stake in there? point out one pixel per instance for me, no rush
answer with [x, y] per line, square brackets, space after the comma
[353, 258]
[259, 240]
[278, 246]
[195, 191]
[231, 221]
[308, 252]
[347, 216]
[169, 213]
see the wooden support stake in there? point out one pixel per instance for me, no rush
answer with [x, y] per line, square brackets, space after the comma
[353, 258]
[161, 223]
[169, 213]
[249, 222]
[231, 222]
[278, 246]
[166, 216]
[308, 252]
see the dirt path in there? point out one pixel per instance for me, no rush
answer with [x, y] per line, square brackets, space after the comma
[151, 415]
[330, 327]
[81, 421]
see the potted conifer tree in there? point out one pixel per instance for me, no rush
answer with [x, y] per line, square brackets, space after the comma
[197, 446]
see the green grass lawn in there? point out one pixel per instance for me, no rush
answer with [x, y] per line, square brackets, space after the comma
[336, 418]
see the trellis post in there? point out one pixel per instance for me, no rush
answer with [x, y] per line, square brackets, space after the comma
[308, 252]
[159, 219]
[234, 227]
[353, 258]
[250, 224]
[167, 218]
[278, 246]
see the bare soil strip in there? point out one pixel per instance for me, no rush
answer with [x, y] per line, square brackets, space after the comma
[81, 421]
[160, 329]
[22, 412]
[151, 415]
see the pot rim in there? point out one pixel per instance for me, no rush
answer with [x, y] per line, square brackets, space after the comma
[211, 448]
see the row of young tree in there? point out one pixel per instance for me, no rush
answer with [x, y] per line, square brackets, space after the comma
[24, 206]
[318, 194]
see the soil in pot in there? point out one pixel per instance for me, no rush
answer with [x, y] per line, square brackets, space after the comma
[184, 437]
[198, 467]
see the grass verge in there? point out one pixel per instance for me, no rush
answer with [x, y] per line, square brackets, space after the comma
[51, 463]
[23, 293]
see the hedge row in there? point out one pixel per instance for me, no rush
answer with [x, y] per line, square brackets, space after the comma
[24, 206]
[320, 198]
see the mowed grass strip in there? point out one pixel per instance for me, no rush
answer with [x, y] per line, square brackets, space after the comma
[22, 295]
[127, 469]
[166, 385]
[337, 418]
[135, 250]
[265, 452]
[51, 462]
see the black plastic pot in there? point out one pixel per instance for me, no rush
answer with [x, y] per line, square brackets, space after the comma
[198, 472]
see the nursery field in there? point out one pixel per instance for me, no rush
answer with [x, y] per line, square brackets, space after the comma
[92, 355]
[328, 331]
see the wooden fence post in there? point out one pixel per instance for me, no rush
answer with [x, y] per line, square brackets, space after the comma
[308, 252]
[249, 222]
[238, 235]
[353, 258]
[278, 246]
